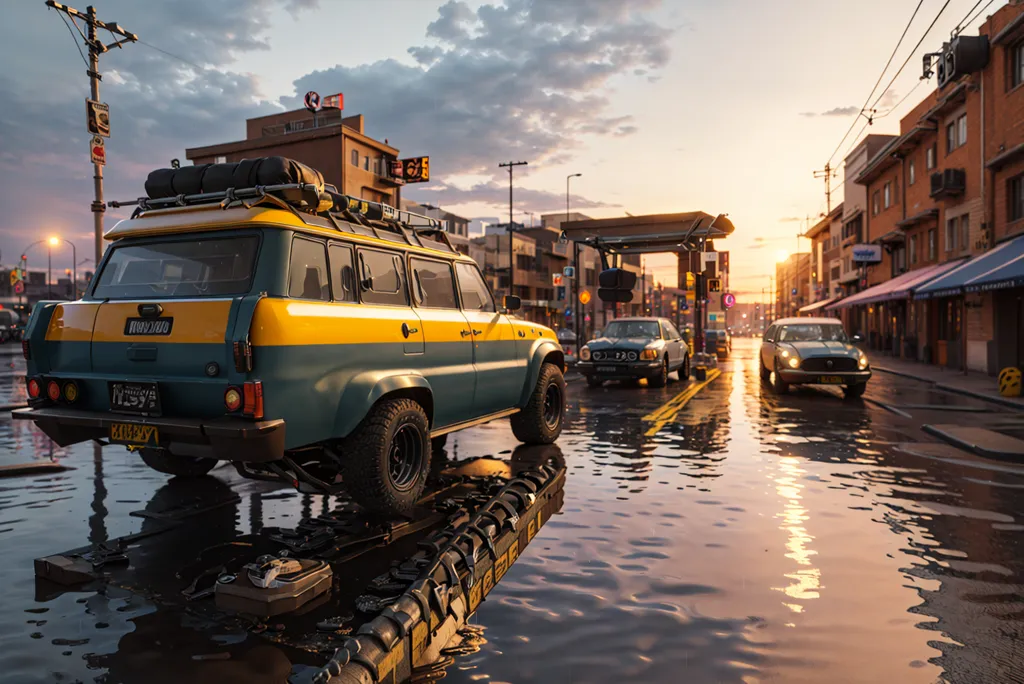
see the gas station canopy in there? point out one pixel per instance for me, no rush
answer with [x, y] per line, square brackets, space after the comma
[648, 234]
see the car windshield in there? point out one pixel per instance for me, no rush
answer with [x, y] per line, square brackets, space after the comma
[195, 268]
[812, 332]
[632, 329]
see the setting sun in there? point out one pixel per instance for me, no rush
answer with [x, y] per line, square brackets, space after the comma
[781, 255]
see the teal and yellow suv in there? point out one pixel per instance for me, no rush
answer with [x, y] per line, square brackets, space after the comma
[248, 313]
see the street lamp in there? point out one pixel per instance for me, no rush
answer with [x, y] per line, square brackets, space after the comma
[577, 323]
[55, 242]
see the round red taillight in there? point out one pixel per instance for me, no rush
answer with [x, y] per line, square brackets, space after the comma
[53, 390]
[34, 390]
[233, 399]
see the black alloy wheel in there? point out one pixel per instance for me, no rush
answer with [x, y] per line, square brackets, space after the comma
[405, 461]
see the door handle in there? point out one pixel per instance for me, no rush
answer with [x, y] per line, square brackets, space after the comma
[464, 333]
[406, 330]
[478, 332]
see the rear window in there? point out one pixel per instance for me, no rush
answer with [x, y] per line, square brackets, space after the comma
[213, 267]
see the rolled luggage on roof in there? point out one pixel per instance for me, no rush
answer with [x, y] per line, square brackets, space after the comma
[247, 173]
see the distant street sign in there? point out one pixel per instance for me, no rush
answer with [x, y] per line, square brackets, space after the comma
[569, 272]
[556, 279]
[585, 297]
[97, 116]
[312, 101]
[728, 300]
[98, 151]
[19, 287]
[568, 312]
[336, 101]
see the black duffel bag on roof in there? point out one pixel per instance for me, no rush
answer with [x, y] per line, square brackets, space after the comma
[248, 173]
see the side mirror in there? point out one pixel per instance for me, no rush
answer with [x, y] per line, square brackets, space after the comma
[512, 303]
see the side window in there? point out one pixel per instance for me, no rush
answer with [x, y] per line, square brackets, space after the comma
[343, 274]
[769, 334]
[673, 334]
[432, 284]
[382, 278]
[307, 272]
[474, 291]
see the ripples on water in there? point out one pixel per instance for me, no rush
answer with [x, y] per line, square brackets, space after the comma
[752, 538]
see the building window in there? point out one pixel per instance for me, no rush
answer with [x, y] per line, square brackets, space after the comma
[220, 159]
[875, 206]
[911, 172]
[355, 157]
[1017, 65]
[913, 250]
[929, 158]
[956, 133]
[965, 232]
[931, 244]
[1016, 198]
[366, 163]
[952, 228]
[886, 196]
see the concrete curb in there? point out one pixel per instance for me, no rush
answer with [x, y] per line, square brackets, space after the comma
[953, 388]
[976, 449]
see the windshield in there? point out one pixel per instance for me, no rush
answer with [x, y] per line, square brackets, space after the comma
[632, 329]
[812, 332]
[196, 268]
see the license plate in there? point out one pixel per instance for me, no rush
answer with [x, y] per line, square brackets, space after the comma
[148, 326]
[134, 397]
[830, 380]
[137, 435]
[606, 369]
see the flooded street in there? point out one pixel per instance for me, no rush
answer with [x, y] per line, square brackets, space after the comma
[720, 534]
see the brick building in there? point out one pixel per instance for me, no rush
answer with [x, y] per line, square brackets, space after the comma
[792, 284]
[946, 200]
[825, 262]
[334, 144]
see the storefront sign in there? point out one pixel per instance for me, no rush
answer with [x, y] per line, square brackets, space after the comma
[867, 254]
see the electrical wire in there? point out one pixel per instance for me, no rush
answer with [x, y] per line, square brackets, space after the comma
[880, 77]
[72, 32]
[963, 22]
[172, 55]
[982, 11]
[890, 110]
[912, 52]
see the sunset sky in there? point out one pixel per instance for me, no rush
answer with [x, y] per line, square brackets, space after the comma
[727, 106]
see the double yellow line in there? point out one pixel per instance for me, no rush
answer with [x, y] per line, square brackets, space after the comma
[668, 411]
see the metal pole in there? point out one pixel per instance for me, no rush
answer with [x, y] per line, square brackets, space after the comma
[575, 303]
[74, 270]
[49, 268]
[98, 207]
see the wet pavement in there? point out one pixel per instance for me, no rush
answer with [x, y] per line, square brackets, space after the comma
[724, 534]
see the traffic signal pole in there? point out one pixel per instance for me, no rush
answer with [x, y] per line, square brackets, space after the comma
[96, 48]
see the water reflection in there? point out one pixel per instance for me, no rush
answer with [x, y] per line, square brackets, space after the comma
[806, 580]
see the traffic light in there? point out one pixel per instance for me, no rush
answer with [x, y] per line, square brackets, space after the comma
[714, 284]
[24, 257]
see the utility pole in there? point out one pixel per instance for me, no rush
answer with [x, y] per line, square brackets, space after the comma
[96, 48]
[511, 256]
[574, 302]
[828, 173]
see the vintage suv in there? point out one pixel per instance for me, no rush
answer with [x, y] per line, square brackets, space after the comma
[247, 312]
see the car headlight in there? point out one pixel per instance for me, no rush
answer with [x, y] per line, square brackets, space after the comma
[585, 354]
[863, 361]
[649, 355]
[785, 354]
[794, 362]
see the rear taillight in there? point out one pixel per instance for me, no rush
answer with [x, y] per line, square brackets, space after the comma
[26, 350]
[70, 391]
[252, 393]
[243, 356]
[232, 399]
[53, 390]
[34, 388]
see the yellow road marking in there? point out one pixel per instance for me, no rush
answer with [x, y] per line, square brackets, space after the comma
[668, 411]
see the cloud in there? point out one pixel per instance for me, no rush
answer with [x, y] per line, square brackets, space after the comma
[790, 219]
[835, 111]
[495, 193]
[888, 99]
[525, 79]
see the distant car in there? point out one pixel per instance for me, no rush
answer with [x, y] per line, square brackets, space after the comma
[634, 348]
[567, 338]
[813, 351]
[718, 342]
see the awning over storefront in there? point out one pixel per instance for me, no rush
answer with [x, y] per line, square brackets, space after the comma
[899, 287]
[818, 305]
[1000, 267]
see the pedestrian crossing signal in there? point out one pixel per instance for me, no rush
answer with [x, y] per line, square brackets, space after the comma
[714, 284]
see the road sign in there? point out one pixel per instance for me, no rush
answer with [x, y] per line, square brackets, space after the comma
[98, 151]
[19, 287]
[336, 101]
[691, 298]
[691, 281]
[585, 297]
[556, 279]
[728, 300]
[568, 312]
[97, 116]
[569, 272]
[312, 101]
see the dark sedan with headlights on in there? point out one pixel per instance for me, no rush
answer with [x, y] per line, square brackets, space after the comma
[634, 348]
[813, 351]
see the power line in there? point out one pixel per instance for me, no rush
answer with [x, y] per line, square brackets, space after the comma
[912, 52]
[890, 110]
[964, 22]
[982, 11]
[880, 77]
[74, 39]
[172, 55]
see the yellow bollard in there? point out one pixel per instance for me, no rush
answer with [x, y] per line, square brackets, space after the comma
[1009, 382]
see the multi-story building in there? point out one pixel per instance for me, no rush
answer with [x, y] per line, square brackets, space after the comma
[946, 201]
[334, 144]
[456, 226]
[792, 283]
[825, 258]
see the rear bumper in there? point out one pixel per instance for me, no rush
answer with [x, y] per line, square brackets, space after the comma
[800, 377]
[622, 371]
[226, 439]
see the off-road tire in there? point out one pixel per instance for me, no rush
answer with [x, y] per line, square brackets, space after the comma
[165, 462]
[366, 453]
[532, 424]
[780, 385]
[766, 374]
[684, 372]
[661, 379]
[594, 381]
[854, 391]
